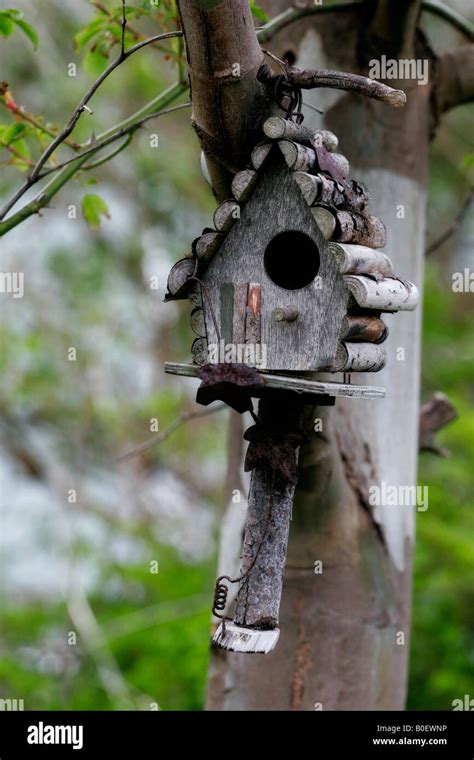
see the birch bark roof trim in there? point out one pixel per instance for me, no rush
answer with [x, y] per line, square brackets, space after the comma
[387, 294]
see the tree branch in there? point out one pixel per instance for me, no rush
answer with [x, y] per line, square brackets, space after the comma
[434, 415]
[454, 79]
[435, 7]
[181, 420]
[100, 144]
[74, 118]
[342, 80]
[455, 224]
[43, 198]
[223, 57]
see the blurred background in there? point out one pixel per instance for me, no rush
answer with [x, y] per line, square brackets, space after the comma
[107, 564]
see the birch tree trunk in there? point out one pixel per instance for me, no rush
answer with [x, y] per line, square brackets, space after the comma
[345, 611]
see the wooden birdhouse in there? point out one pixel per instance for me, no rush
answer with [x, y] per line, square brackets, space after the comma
[291, 280]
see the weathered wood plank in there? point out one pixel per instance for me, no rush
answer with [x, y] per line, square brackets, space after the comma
[240, 309]
[325, 220]
[295, 383]
[199, 351]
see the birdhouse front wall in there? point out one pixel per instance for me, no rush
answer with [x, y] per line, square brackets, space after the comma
[277, 296]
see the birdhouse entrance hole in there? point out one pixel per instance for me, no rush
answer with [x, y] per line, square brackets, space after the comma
[291, 260]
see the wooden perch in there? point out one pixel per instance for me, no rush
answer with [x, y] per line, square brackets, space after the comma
[384, 295]
[359, 357]
[434, 415]
[358, 259]
[365, 329]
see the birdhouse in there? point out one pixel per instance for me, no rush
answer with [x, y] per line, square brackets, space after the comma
[290, 280]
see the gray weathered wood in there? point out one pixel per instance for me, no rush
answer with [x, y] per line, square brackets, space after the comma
[311, 341]
[388, 294]
[179, 274]
[194, 294]
[198, 324]
[325, 220]
[225, 215]
[298, 157]
[240, 310]
[264, 552]
[294, 383]
[358, 259]
[277, 128]
[363, 328]
[199, 351]
[363, 229]
[318, 188]
[243, 184]
[208, 245]
[226, 312]
[359, 357]
[260, 154]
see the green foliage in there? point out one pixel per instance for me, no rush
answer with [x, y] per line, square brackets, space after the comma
[12, 19]
[442, 656]
[93, 208]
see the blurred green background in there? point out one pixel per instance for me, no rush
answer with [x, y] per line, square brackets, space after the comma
[123, 553]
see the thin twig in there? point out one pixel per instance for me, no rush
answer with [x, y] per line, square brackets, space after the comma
[97, 146]
[455, 224]
[124, 26]
[44, 197]
[79, 110]
[181, 420]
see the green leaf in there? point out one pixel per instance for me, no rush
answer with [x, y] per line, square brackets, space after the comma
[30, 32]
[13, 133]
[13, 13]
[82, 38]
[258, 12]
[93, 207]
[6, 24]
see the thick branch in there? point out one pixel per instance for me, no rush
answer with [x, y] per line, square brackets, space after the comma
[393, 27]
[228, 102]
[342, 80]
[454, 78]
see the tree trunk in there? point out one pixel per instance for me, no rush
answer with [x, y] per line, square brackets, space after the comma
[346, 599]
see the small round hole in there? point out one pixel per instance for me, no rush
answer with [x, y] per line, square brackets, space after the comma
[291, 260]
